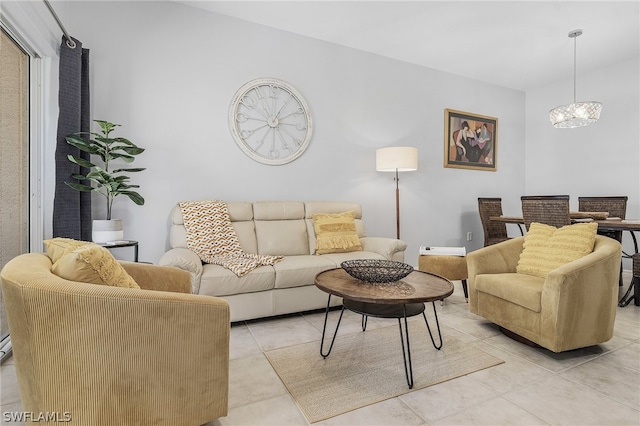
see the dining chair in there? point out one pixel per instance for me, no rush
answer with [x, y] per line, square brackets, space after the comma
[494, 232]
[548, 209]
[616, 206]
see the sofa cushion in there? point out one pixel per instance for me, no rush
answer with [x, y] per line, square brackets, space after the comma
[58, 247]
[335, 233]
[520, 289]
[296, 271]
[93, 264]
[282, 237]
[546, 247]
[218, 281]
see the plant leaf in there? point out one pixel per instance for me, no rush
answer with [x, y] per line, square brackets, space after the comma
[82, 144]
[80, 187]
[133, 150]
[134, 196]
[134, 169]
[80, 161]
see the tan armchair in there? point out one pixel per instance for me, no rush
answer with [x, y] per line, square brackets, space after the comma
[574, 307]
[108, 355]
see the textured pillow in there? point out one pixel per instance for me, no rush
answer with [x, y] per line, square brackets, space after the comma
[58, 247]
[547, 247]
[335, 232]
[93, 264]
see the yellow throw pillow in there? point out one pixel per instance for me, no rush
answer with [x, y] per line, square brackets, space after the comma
[58, 247]
[93, 264]
[335, 232]
[547, 247]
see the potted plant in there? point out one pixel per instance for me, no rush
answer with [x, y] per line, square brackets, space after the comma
[109, 183]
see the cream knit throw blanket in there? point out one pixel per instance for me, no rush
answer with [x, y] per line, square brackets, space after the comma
[213, 238]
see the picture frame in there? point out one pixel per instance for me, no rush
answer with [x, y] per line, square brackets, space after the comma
[470, 140]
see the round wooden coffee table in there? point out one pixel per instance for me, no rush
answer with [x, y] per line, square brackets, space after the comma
[400, 299]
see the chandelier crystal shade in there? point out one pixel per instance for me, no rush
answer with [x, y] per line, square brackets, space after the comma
[576, 114]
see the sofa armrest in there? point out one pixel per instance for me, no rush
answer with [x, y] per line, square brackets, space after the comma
[158, 278]
[584, 292]
[390, 248]
[183, 258]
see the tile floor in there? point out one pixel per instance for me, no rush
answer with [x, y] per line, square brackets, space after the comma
[599, 385]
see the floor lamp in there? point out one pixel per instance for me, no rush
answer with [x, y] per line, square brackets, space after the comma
[397, 159]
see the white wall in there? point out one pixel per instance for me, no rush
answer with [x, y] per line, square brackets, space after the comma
[598, 160]
[168, 72]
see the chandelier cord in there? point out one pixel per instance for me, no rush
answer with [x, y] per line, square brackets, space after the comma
[575, 56]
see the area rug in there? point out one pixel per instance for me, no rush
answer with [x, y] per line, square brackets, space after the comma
[365, 368]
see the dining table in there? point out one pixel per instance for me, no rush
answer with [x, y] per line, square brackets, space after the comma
[604, 224]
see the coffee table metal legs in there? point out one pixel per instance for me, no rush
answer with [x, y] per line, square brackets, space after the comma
[404, 335]
[324, 329]
[406, 356]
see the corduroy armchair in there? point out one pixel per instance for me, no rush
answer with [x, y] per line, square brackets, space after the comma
[117, 356]
[574, 307]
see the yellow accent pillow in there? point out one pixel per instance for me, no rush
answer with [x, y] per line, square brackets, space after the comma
[93, 264]
[336, 232]
[547, 247]
[58, 247]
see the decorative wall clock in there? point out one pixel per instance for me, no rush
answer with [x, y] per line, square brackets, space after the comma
[270, 121]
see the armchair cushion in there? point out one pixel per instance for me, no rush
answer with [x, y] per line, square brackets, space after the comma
[93, 264]
[528, 292]
[547, 247]
[336, 232]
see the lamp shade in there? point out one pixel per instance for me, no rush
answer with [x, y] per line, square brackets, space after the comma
[397, 158]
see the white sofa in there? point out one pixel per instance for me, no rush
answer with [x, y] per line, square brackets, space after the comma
[274, 228]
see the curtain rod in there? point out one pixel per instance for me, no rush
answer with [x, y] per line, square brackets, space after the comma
[70, 42]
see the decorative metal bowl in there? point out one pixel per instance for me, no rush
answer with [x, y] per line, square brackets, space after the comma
[376, 271]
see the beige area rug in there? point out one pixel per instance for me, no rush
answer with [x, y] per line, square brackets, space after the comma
[365, 368]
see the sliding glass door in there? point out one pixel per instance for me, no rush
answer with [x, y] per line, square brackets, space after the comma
[14, 154]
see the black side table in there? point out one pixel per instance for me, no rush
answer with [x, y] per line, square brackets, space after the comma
[123, 243]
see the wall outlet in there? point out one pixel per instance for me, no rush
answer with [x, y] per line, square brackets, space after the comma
[469, 236]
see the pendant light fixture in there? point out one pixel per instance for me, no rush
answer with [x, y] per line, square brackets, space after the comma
[576, 114]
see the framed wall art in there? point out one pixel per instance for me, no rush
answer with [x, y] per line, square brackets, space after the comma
[470, 140]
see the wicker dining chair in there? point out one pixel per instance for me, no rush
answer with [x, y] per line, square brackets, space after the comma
[548, 209]
[494, 232]
[616, 207]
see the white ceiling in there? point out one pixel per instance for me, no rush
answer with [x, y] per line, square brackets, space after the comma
[517, 44]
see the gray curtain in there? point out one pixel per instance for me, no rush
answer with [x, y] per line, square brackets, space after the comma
[72, 209]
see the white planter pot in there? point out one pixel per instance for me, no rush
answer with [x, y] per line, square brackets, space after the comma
[105, 231]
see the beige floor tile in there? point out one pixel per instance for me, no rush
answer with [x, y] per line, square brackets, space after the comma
[278, 411]
[242, 343]
[9, 392]
[450, 397]
[560, 401]
[610, 377]
[514, 373]
[391, 412]
[252, 380]
[552, 361]
[497, 411]
[282, 332]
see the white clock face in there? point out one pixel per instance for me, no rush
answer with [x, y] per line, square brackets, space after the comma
[270, 121]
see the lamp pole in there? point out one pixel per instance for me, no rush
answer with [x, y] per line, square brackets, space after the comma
[397, 206]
